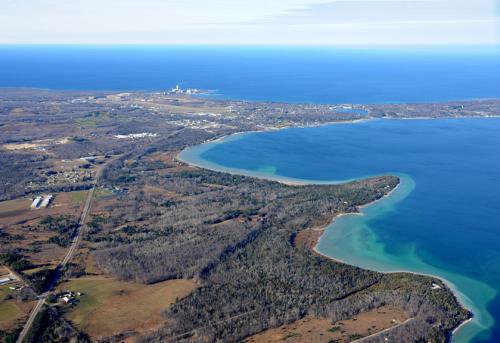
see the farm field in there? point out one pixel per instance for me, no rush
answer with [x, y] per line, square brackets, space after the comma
[23, 226]
[105, 308]
[323, 331]
[10, 310]
[15, 212]
[78, 197]
[15, 207]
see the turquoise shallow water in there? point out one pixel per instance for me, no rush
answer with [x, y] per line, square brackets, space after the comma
[442, 219]
[446, 225]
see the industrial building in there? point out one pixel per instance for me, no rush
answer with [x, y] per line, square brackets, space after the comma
[36, 203]
[41, 201]
[4, 280]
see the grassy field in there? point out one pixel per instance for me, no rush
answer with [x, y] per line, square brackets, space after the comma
[94, 119]
[14, 207]
[109, 306]
[79, 197]
[34, 270]
[8, 310]
[102, 192]
[4, 290]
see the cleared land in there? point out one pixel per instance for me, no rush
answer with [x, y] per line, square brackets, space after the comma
[319, 330]
[308, 238]
[23, 225]
[11, 311]
[79, 197]
[109, 306]
[22, 146]
[12, 208]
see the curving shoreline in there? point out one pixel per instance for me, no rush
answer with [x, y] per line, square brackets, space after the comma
[192, 157]
[449, 284]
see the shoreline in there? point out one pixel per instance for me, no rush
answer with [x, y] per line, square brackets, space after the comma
[450, 285]
[455, 330]
[457, 294]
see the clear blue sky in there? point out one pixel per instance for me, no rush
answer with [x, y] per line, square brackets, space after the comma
[318, 22]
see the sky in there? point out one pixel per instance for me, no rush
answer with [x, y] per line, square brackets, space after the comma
[252, 22]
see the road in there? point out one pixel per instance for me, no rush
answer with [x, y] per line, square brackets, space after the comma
[71, 250]
[77, 238]
[30, 320]
[60, 267]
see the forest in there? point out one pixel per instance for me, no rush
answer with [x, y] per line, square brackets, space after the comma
[234, 235]
[156, 218]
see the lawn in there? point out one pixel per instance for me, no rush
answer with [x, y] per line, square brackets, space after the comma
[109, 306]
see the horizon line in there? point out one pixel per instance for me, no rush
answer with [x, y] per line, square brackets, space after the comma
[277, 45]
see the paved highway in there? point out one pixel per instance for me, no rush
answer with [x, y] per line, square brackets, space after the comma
[70, 252]
[60, 267]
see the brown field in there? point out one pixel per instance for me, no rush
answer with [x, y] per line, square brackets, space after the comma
[170, 159]
[4, 271]
[13, 208]
[323, 331]
[18, 211]
[9, 315]
[12, 312]
[35, 144]
[17, 219]
[109, 306]
[308, 238]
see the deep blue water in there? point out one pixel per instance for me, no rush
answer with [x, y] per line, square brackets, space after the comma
[448, 224]
[310, 74]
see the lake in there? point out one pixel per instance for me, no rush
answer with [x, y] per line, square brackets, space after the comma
[442, 220]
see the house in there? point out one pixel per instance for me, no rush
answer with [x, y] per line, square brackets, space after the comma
[435, 286]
